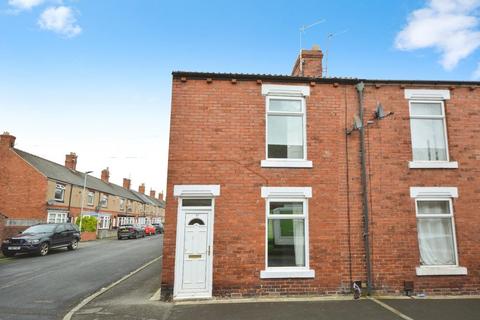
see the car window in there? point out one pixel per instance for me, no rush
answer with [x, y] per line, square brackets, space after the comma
[60, 228]
[40, 228]
[69, 227]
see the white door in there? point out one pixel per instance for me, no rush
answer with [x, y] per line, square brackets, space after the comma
[195, 251]
[193, 270]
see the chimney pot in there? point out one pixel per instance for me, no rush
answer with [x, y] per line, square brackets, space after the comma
[152, 193]
[160, 196]
[126, 183]
[141, 188]
[7, 140]
[105, 174]
[71, 161]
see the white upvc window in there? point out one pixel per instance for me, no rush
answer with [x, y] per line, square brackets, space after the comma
[59, 192]
[286, 136]
[428, 129]
[436, 231]
[104, 222]
[57, 217]
[122, 204]
[104, 201]
[90, 198]
[286, 240]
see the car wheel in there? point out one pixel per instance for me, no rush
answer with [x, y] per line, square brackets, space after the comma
[73, 245]
[8, 253]
[119, 238]
[43, 250]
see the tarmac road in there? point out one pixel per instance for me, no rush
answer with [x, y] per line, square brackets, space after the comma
[48, 287]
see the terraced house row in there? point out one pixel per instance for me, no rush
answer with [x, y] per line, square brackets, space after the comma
[34, 190]
[301, 184]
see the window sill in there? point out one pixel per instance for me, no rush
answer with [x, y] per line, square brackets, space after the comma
[287, 273]
[286, 164]
[433, 165]
[441, 271]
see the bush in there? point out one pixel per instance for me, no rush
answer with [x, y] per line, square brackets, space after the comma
[88, 223]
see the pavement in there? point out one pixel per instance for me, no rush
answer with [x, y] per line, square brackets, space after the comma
[131, 300]
[41, 288]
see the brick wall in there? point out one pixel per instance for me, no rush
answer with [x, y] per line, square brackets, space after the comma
[218, 137]
[22, 188]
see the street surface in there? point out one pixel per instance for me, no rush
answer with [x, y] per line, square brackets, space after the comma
[48, 287]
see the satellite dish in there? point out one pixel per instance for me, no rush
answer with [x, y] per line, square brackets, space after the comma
[50, 202]
[379, 113]
[357, 122]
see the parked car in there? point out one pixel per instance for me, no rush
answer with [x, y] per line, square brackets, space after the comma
[130, 231]
[41, 238]
[149, 229]
[158, 226]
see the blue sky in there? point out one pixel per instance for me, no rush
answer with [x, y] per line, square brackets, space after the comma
[94, 77]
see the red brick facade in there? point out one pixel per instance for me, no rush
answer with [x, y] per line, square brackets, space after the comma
[22, 187]
[217, 136]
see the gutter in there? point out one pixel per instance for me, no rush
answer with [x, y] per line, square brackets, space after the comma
[366, 237]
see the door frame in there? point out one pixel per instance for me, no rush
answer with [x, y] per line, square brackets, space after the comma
[193, 192]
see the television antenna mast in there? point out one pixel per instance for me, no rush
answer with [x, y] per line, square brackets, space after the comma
[302, 32]
[329, 37]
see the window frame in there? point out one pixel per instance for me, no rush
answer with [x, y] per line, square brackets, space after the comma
[302, 114]
[122, 204]
[438, 216]
[303, 216]
[104, 204]
[56, 217]
[93, 198]
[429, 117]
[63, 188]
[287, 194]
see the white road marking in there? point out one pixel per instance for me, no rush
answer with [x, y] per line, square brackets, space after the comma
[391, 309]
[85, 301]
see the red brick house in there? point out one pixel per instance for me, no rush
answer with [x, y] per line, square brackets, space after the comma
[270, 184]
[35, 190]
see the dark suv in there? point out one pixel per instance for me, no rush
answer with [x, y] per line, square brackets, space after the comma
[41, 237]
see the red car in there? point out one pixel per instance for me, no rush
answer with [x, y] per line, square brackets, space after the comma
[149, 229]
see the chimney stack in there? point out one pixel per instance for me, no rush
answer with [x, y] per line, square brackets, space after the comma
[71, 161]
[141, 188]
[160, 196]
[105, 174]
[152, 193]
[7, 140]
[126, 183]
[309, 63]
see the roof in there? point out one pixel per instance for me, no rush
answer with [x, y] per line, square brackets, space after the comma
[61, 173]
[158, 202]
[289, 78]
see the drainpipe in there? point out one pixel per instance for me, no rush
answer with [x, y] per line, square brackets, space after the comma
[366, 236]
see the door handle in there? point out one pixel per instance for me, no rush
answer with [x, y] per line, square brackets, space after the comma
[208, 250]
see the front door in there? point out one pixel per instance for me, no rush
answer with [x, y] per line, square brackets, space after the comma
[193, 272]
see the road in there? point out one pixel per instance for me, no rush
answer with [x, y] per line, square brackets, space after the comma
[48, 287]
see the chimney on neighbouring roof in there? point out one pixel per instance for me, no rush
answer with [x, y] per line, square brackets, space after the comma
[152, 193]
[309, 63]
[160, 196]
[141, 188]
[126, 183]
[7, 140]
[71, 161]
[105, 174]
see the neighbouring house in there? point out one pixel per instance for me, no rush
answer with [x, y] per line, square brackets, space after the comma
[34, 190]
[301, 184]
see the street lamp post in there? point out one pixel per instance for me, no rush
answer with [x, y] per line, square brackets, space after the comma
[83, 198]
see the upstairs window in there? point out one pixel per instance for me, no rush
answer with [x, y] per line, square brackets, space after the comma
[122, 204]
[429, 138]
[285, 128]
[59, 192]
[90, 198]
[104, 201]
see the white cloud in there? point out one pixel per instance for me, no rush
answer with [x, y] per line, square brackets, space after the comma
[24, 4]
[60, 20]
[449, 26]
